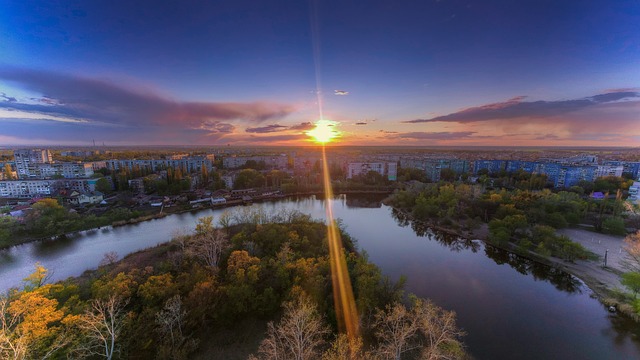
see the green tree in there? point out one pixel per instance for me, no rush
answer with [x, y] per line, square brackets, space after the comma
[447, 175]
[248, 178]
[631, 281]
[613, 225]
[103, 185]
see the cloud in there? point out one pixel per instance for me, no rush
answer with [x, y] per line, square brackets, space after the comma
[445, 135]
[388, 132]
[7, 98]
[303, 126]
[101, 101]
[518, 108]
[547, 137]
[266, 129]
[361, 123]
[340, 92]
[266, 140]
[279, 128]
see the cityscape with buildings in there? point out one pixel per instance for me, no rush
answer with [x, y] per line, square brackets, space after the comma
[320, 179]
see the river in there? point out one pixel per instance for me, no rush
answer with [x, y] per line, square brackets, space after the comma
[510, 307]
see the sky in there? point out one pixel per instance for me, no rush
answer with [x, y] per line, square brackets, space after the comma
[408, 73]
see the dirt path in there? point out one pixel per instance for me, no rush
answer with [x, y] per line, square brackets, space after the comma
[592, 272]
[598, 244]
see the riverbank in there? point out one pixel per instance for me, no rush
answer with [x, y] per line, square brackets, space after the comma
[604, 282]
[181, 209]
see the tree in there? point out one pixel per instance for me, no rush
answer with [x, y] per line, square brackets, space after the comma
[102, 324]
[248, 178]
[8, 172]
[170, 322]
[632, 247]
[395, 329]
[425, 328]
[344, 348]
[631, 281]
[37, 278]
[28, 325]
[109, 258]
[103, 185]
[208, 243]
[447, 174]
[224, 220]
[438, 327]
[299, 335]
[613, 225]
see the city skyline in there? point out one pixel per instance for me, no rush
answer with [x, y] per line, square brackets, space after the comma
[437, 73]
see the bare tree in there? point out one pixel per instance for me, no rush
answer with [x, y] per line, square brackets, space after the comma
[426, 331]
[109, 258]
[208, 243]
[209, 246]
[225, 221]
[180, 237]
[632, 247]
[299, 335]
[101, 325]
[169, 321]
[396, 330]
[439, 331]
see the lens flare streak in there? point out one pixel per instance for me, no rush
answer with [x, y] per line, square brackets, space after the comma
[343, 298]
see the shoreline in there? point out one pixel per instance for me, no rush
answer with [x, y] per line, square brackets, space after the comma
[601, 281]
[155, 216]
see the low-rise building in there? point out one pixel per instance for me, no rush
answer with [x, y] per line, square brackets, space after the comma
[83, 198]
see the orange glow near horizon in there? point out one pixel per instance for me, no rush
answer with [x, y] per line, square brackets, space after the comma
[324, 132]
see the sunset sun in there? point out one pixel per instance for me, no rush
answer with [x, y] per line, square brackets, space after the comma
[324, 131]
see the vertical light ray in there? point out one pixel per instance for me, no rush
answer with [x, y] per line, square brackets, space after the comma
[343, 298]
[315, 42]
[344, 302]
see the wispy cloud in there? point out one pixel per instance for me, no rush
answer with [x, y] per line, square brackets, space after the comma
[302, 126]
[340, 92]
[280, 128]
[361, 123]
[266, 129]
[516, 108]
[7, 98]
[100, 101]
[444, 135]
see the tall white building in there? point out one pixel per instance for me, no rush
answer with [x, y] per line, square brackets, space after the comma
[608, 170]
[27, 159]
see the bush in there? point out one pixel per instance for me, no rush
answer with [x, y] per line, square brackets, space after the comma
[613, 225]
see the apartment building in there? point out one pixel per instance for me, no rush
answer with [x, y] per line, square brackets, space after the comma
[390, 170]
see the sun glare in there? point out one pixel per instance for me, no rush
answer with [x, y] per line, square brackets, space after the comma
[324, 132]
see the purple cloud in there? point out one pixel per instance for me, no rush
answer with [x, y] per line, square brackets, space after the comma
[518, 108]
[266, 129]
[445, 135]
[107, 102]
[302, 126]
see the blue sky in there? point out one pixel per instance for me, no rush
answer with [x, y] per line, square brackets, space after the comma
[248, 72]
